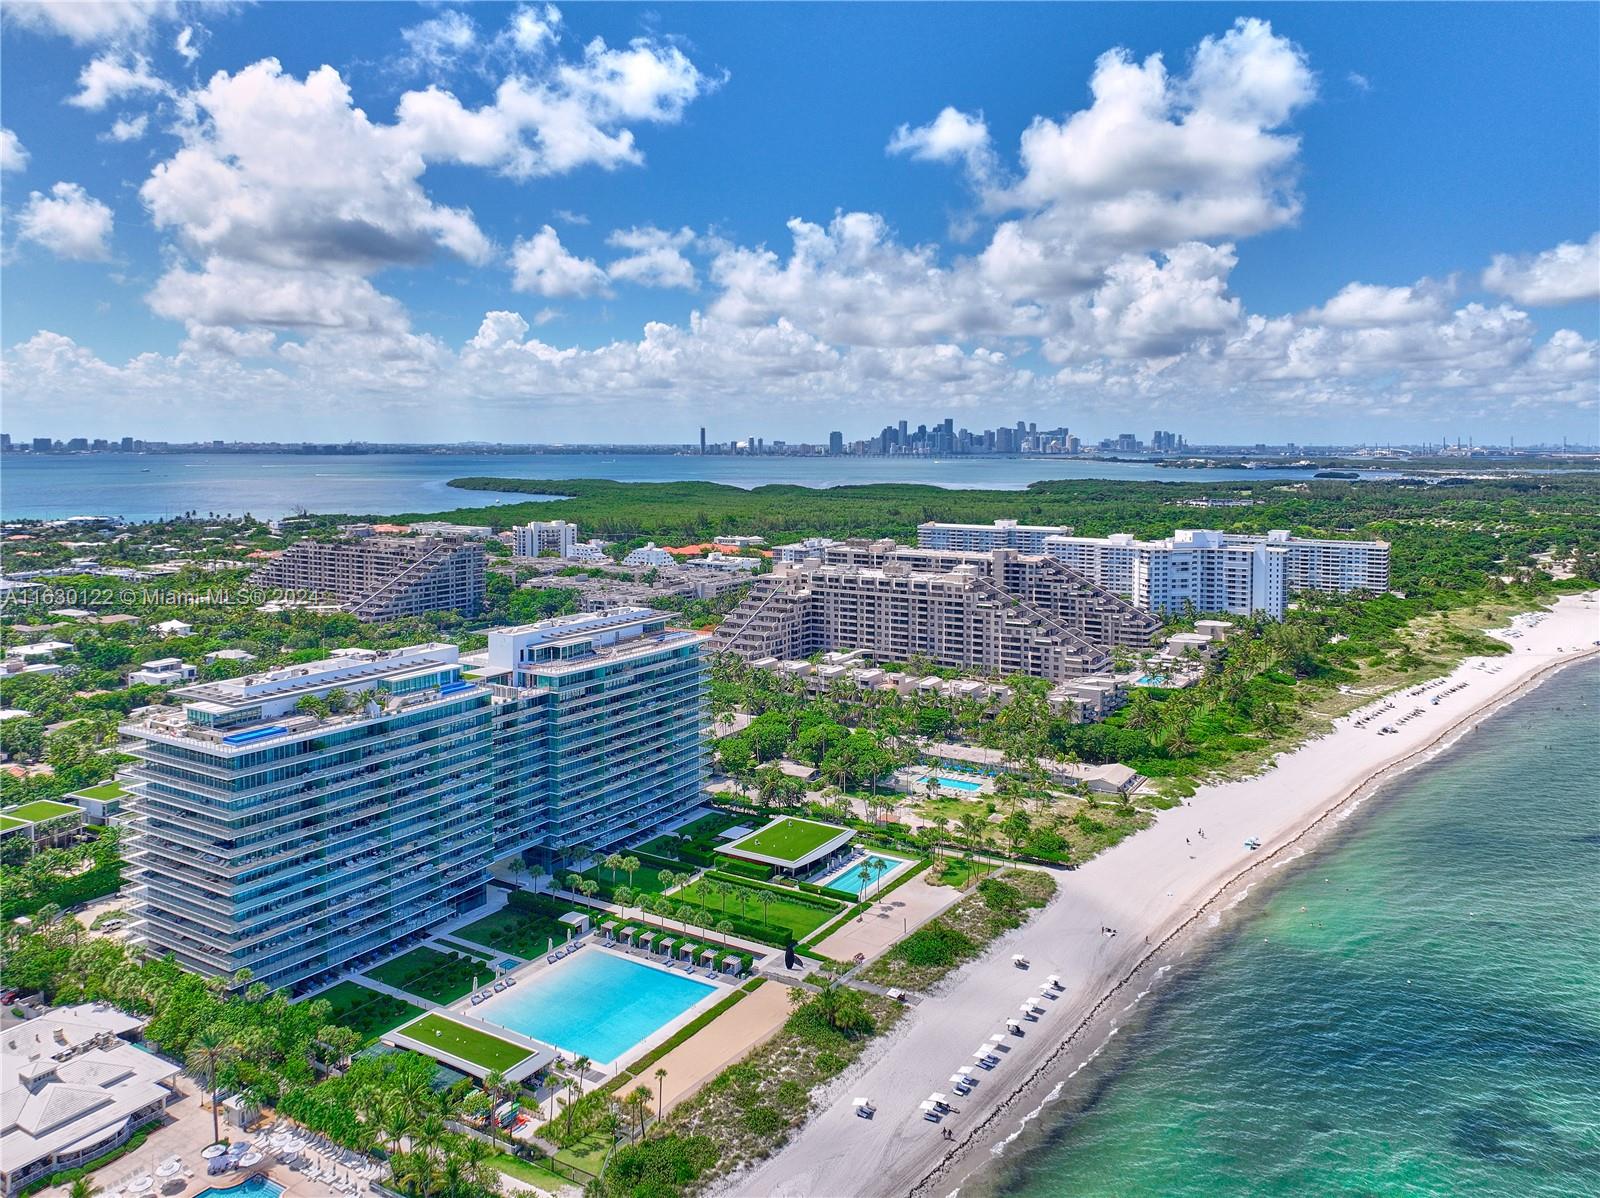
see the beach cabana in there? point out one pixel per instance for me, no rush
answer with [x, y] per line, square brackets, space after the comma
[646, 939]
[664, 945]
[628, 933]
[686, 950]
[732, 964]
[610, 929]
[708, 957]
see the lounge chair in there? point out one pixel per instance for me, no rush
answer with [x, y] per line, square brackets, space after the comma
[511, 981]
[476, 999]
[560, 952]
[551, 959]
[499, 986]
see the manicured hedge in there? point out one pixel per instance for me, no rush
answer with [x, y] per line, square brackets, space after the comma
[745, 869]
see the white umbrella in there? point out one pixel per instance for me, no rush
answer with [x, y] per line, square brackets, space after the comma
[212, 1150]
[860, 1102]
[997, 1038]
[937, 1097]
[959, 1079]
[250, 1158]
[170, 1168]
[140, 1184]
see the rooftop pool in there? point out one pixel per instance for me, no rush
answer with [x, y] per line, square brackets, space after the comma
[849, 878]
[960, 784]
[255, 1186]
[596, 1004]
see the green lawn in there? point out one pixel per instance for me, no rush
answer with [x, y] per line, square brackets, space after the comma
[801, 916]
[7, 822]
[106, 790]
[646, 879]
[524, 928]
[43, 809]
[432, 975]
[785, 839]
[471, 950]
[532, 1172]
[467, 1043]
[369, 1012]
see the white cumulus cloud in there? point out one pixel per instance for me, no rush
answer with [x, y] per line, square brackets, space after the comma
[952, 136]
[68, 222]
[655, 257]
[1567, 274]
[87, 22]
[110, 77]
[13, 157]
[542, 265]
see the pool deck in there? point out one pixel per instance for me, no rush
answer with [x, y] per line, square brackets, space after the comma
[889, 875]
[530, 975]
[875, 931]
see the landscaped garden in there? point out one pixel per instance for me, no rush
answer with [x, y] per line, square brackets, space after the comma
[431, 975]
[488, 1052]
[756, 910]
[367, 1012]
[525, 927]
[693, 845]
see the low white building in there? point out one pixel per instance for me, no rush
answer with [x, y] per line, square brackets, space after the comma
[173, 628]
[739, 542]
[41, 649]
[230, 655]
[72, 1088]
[163, 671]
[724, 561]
[800, 550]
[648, 554]
[443, 528]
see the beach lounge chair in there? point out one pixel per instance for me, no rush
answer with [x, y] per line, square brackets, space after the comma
[499, 986]
[476, 999]
[551, 959]
[560, 952]
[511, 981]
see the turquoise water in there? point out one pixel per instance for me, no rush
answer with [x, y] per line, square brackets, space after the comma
[1151, 679]
[156, 486]
[597, 1004]
[1415, 1010]
[954, 783]
[251, 1187]
[849, 878]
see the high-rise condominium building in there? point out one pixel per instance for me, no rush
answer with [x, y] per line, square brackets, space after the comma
[980, 538]
[1214, 571]
[291, 837]
[384, 578]
[545, 536]
[960, 619]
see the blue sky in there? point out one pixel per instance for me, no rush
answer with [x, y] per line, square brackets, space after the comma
[621, 222]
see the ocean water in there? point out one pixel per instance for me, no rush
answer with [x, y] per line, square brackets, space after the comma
[156, 486]
[1414, 1010]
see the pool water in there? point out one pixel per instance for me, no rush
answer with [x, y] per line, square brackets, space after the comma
[955, 784]
[1151, 680]
[251, 1187]
[849, 878]
[597, 1004]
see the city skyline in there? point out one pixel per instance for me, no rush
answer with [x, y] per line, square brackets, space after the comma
[553, 223]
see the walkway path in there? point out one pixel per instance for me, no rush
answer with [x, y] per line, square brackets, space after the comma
[752, 1021]
[902, 910]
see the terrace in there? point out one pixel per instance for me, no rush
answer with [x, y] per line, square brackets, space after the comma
[790, 843]
[468, 1045]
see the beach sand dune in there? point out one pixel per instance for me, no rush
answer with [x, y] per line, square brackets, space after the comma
[1148, 888]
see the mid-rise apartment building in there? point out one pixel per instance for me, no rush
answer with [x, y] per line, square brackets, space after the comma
[960, 619]
[980, 538]
[292, 821]
[1215, 571]
[384, 577]
[545, 536]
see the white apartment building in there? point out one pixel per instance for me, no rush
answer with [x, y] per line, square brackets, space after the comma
[163, 671]
[1193, 566]
[649, 555]
[1216, 571]
[980, 538]
[544, 536]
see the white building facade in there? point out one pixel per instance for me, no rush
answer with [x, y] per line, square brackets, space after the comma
[981, 538]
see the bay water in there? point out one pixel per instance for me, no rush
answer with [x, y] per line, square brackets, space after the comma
[1413, 1010]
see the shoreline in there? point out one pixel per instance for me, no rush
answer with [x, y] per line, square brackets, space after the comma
[1166, 955]
[1150, 885]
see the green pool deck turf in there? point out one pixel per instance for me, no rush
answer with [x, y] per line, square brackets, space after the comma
[467, 1043]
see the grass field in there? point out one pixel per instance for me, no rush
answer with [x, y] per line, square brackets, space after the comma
[523, 929]
[43, 809]
[430, 974]
[799, 917]
[786, 839]
[468, 1043]
[535, 1174]
[369, 1012]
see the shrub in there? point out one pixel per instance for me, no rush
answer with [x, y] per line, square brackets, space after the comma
[763, 1121]
[935, 944]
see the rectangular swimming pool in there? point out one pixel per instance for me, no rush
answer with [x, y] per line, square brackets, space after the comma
[849, 878]
[597, 1004]
[953, 783]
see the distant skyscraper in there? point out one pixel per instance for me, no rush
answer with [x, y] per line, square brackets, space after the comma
[702, 440]
[836, 442]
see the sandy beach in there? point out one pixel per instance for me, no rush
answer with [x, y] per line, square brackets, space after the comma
[1151, 888]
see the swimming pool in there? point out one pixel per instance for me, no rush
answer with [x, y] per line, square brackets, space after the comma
[849, 878]
[597, 1004]
[255, 1186]
[954, 783]
[1151, 680]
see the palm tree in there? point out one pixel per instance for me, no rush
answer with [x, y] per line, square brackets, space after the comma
[629, 865]
[208, 1052]
[661, 1089]
[613, 864]
[82, 1188]
[725, 928]
[639, 1100]
[494, 1082]
[879, 867]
